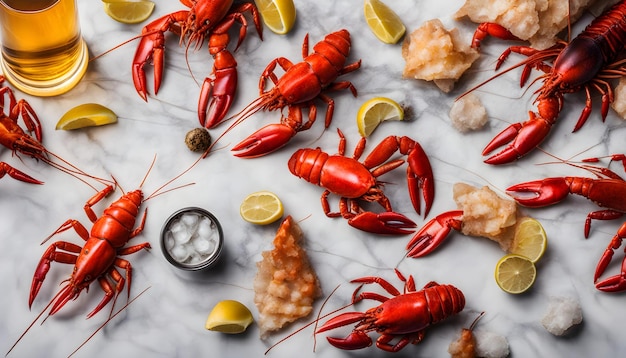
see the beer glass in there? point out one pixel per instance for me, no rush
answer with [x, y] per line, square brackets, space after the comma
[43, 53]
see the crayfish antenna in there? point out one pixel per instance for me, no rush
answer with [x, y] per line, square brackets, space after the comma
[70, 169]
[598, 171]
[481, 84]
[255, 106]
[315, 322]
[123, 44]
[108, 320]
[148, 172]
[159, 191]
[471, 327]
[527, 61]
[35, 320]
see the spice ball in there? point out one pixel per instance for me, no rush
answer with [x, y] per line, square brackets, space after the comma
[198, 139]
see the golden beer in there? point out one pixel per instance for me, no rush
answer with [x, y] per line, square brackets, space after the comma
[43, 53]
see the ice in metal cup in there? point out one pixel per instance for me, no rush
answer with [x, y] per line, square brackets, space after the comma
[43, 52]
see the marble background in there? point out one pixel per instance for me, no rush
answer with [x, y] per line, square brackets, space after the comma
[168, 320]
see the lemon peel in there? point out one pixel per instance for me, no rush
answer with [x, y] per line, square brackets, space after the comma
[229, 316]
[86, 115]
[128, 11]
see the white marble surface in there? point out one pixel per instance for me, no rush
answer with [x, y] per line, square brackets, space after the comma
[168, 320]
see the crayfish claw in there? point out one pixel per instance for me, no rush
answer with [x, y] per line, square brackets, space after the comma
[264, 141]
[211, 111]
[355, 340]
[386, 223]
[546, 192]
[522, 138]
[17, 174]
[420, 176]
[617, 282]
[340, 321]
[613, 284]
[219, 90]
[152, 46]
[434, 233]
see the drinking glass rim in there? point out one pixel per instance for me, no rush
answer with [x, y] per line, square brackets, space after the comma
[52, 4]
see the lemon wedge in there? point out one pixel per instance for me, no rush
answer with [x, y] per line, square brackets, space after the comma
[515, 274]
[86, 115]
[530, 239]
[384, 22]
[229, 316]
[261, 208]
[376, 110]
[278, 15]
[128, 11]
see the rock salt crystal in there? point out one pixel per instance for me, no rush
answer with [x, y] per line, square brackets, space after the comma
[563, 313]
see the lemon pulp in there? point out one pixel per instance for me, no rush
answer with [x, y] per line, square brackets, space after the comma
[530, 239]
[384, 22]
[515, 273]
[376, 110]
[261, 208]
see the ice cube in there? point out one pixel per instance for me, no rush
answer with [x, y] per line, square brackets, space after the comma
[204, 228]
[169, 240]
[203, 246]
[182, 236]
[195, 257]
[176, 226]
[190, 221]
[180, 232]
[180, 253]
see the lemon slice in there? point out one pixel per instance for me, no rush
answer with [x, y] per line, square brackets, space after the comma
[86, 115]
[515, 273]
[530, 239]
[278, 15]
[261, 208]
[384, 22]
[128, 11]
[376, 110]
[229, 316]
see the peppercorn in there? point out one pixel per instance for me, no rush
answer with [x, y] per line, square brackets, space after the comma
[198, 139]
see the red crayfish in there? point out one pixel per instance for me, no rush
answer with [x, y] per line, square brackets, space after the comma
[297, 89]
[587, 62]
[13, 137]
[99, 259]
[353, 181]
[205, 18]
[404, 316]
[607, 191]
